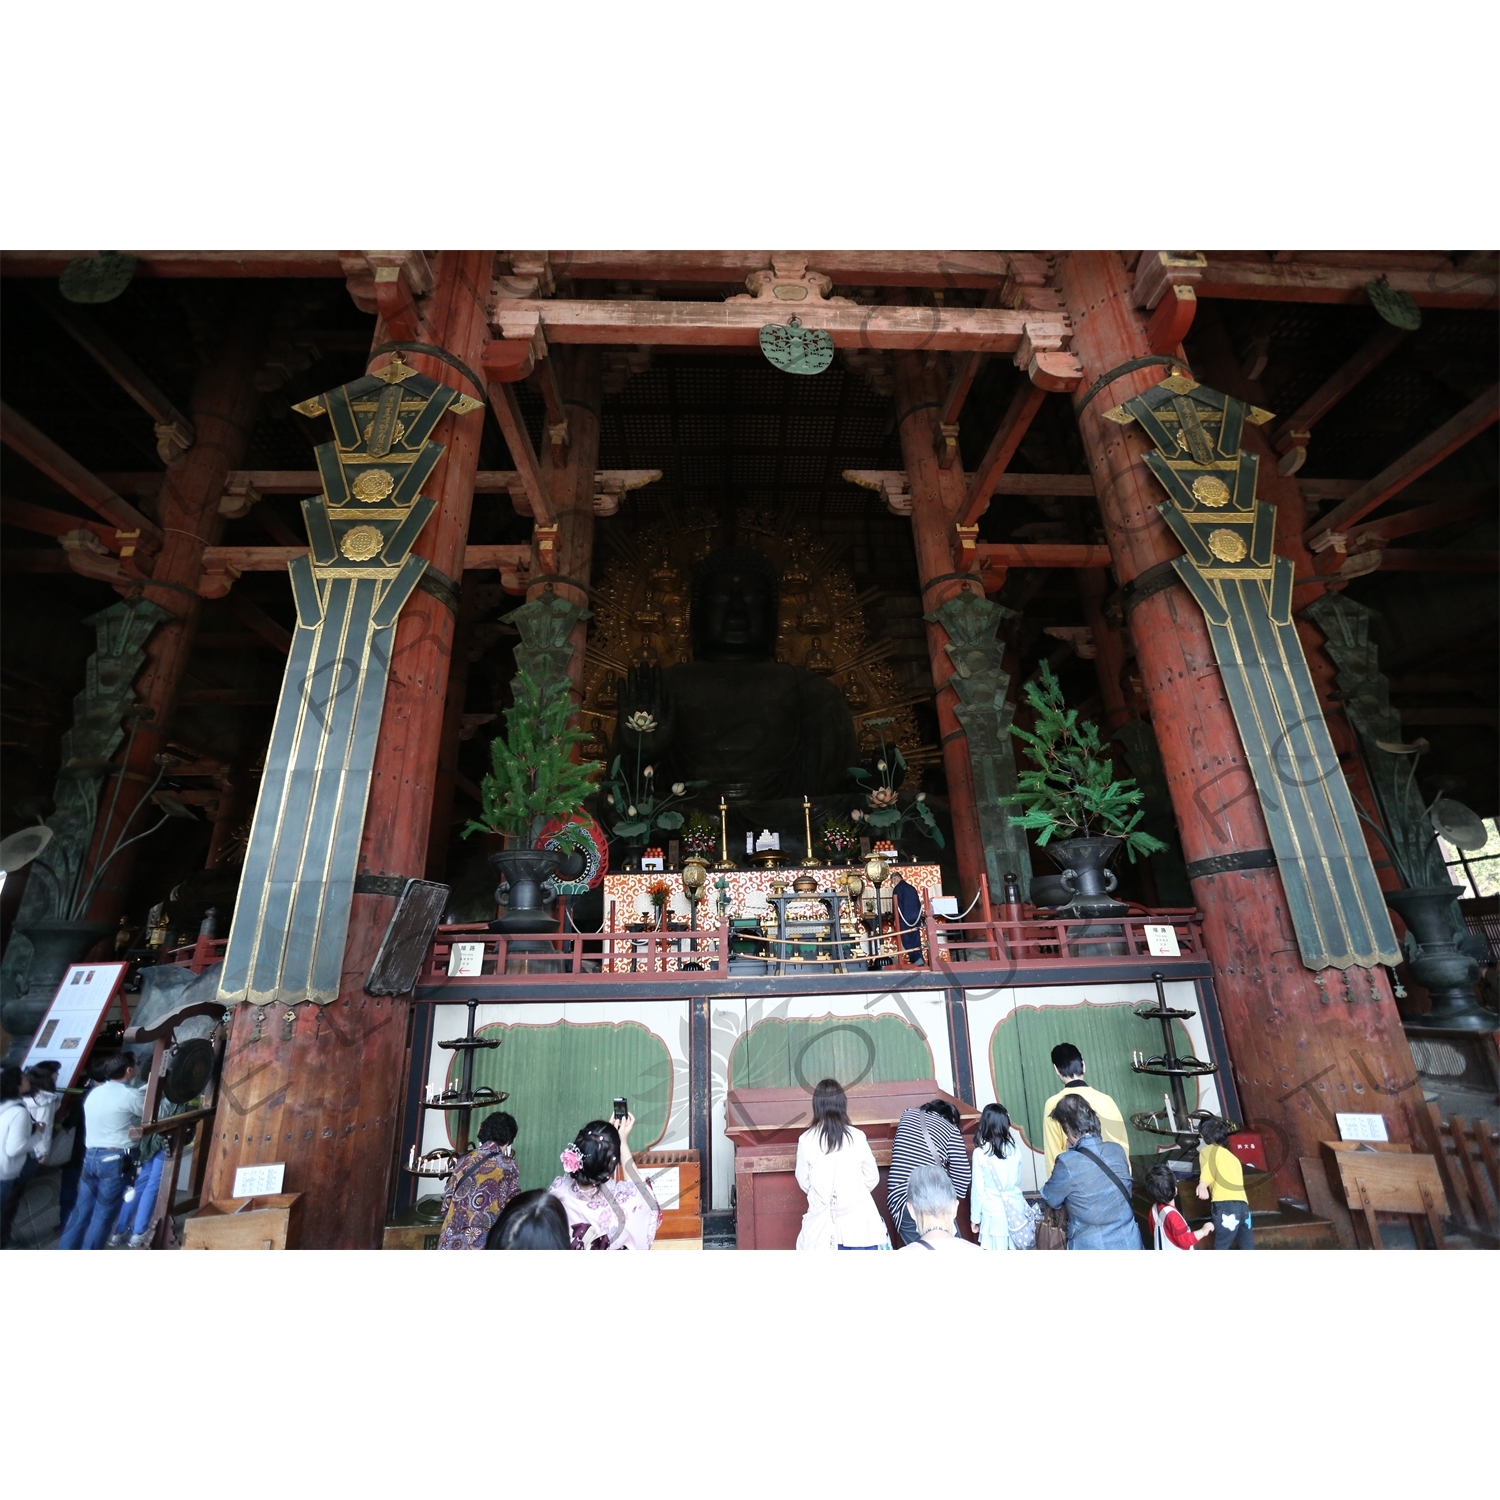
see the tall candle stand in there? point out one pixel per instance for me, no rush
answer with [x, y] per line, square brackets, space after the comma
[462, 1101]
[724, 862]
[810, 860]
[1176, 1119]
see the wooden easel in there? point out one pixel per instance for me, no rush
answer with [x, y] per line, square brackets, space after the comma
[1393, 1182]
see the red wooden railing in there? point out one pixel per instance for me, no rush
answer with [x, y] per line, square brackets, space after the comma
[653, 957]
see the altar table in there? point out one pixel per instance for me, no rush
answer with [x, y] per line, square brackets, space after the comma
[748, 890]
[764, 1125]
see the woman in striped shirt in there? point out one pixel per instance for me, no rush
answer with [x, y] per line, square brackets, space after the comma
[928, 1133]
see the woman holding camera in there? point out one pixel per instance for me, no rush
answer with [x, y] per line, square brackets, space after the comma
[603, 1214]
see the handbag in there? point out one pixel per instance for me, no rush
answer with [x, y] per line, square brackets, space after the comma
[1052, 1229]
[1021, 1223]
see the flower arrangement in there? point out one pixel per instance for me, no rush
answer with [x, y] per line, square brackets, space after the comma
[533, 776]
[659, 893]
[839, 838]
[883, 802]
[1073, 792]
[699, 836]
[637, 798]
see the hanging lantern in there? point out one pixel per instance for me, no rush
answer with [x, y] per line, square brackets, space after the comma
[96, 278]
[1398, 308]
[795, 349]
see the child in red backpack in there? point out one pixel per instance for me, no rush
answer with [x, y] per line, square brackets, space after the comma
[1170, 1228]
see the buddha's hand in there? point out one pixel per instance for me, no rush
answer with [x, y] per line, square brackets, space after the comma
[645, 713]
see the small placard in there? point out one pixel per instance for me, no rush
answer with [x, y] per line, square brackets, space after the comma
[653, 862]
[665, 1184]
[943, 906]
[465, 960]
[257, 1182]
[1361, 1127]
[1161, 941]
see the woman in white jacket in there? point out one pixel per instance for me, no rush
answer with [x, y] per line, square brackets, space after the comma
[998, 1210]
[836, 1169]
[15, 1145]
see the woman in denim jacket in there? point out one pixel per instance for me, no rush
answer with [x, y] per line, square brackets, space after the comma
[1092, 1177]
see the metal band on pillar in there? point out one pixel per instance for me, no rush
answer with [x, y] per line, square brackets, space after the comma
[292, 918]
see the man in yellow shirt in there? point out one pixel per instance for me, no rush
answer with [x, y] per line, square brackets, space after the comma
[1221, 1176]
[1067, 1063]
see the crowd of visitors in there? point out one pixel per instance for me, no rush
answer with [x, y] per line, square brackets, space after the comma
[1088, 1181]
[110, 1183]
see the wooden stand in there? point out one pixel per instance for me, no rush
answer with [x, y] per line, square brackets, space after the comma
[1388, 1179]
[764, 1125]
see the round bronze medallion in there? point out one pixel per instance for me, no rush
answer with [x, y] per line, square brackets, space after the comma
[1228, 546]
[361, 543]
[373, 486]
[1211, 491]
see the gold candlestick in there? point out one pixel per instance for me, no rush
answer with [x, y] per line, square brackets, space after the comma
[811, 861]
[725, 863]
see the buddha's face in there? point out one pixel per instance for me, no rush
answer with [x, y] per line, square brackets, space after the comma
[734, 617]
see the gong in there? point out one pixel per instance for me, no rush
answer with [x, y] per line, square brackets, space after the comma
[189, 1071]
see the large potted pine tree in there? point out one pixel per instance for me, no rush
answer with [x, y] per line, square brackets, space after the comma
[1081, 812]
[533, 778]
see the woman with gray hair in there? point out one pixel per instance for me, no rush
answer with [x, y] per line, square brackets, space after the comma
[933, 1203]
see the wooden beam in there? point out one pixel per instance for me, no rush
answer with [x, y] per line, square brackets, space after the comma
[174, 433]
[194, 263]
[1305, 281]
[254, 618]
[227, 697]
[16, 432]
[1452, 435]
[738, 324]
[513, 427]
[1024, 406]
[27, 517]
[1437, 560]
[996, 555]
[924, 268]
[1338, 385]
[1424, 518]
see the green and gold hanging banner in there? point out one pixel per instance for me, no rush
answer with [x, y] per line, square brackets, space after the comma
[292, 917]
[1245, 592]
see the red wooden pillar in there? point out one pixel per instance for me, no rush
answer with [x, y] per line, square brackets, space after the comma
[224, 406]
[937, 496]
[1303, 1047]
[568, 472]
[319, 1087]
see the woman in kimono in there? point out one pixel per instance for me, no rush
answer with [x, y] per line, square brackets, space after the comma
[605, 1215]
[481, 1185]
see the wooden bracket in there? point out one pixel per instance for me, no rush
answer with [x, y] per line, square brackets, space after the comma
[399, 278]
[240, 495]
[217, 579]
[1172, 319]
[965, 547]
[546, 547]
[945, 444]
[1294, 453]
[1156, 270]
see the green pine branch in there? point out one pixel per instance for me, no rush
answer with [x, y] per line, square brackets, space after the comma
[533, 776]
[1071, 791]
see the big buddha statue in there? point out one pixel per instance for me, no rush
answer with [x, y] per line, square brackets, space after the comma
[757, 730]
